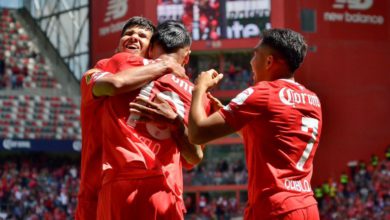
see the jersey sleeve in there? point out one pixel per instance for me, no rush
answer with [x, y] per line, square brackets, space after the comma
[116, 63]
[87, 82]
[246, 106]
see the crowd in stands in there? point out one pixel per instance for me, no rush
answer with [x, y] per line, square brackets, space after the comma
[363, 193]
[21, 65]
[37, 186]
[221, 172]
[220, 207]
[236, 78]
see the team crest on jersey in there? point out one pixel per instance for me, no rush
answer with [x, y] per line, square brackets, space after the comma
[94, 75]
[88, 74]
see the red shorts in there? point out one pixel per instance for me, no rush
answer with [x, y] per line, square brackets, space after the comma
[86, 209]
[308, 213]
[146, 198]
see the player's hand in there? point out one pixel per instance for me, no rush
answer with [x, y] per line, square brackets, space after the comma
[215, 103]
[172, 66]
[208, 79]
[158, 111]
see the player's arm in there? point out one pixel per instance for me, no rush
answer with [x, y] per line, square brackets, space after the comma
[192, 153]
[203, 128]
[161, 112]
[133, 78]
[216, 105]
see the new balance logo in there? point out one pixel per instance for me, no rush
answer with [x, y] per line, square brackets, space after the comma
[353, 4]
[115, 9]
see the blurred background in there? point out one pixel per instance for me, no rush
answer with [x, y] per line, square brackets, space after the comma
[46, 46]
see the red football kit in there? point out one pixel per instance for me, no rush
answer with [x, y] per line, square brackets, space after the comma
[281, 124]
[91, 162]
[137, 156]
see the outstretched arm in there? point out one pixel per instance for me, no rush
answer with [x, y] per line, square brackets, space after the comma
[134, 78]
[202, 129]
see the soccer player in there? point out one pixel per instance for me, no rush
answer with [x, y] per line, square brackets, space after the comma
[142, 161]
[135, 39]
[280, 121]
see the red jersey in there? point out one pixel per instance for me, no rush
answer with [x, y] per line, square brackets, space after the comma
[281, 125]
[91, 162]
[134, 150]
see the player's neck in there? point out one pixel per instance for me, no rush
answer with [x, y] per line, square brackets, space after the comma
[171, 56]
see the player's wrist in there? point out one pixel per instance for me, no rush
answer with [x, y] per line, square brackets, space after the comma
[177, 126]
[200, 88]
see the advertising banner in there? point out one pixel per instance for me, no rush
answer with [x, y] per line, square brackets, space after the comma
[218, 19]
[107, 19]
[40, 145]
[354, 20]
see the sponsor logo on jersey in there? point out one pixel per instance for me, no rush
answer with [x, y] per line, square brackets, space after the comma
[290, 97]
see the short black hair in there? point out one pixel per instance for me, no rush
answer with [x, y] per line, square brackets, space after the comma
[288, 43]
[171, 36]
[138, 21]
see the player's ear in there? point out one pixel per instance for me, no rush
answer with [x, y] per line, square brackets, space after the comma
[269, 61]
[150, 49]
[186, 57]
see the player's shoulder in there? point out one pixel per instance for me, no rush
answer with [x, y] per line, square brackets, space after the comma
[128, 58]
[171, 78]
[172, 82]
[285, 83]
[295, 86]
[101, 63]
[260, 87]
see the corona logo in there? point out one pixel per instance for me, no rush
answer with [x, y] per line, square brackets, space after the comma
[353, 4]
[291, 98]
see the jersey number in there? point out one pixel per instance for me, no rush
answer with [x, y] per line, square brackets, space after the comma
[306, 124]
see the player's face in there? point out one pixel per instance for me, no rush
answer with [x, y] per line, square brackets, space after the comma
[258, 63]
[135, 40]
